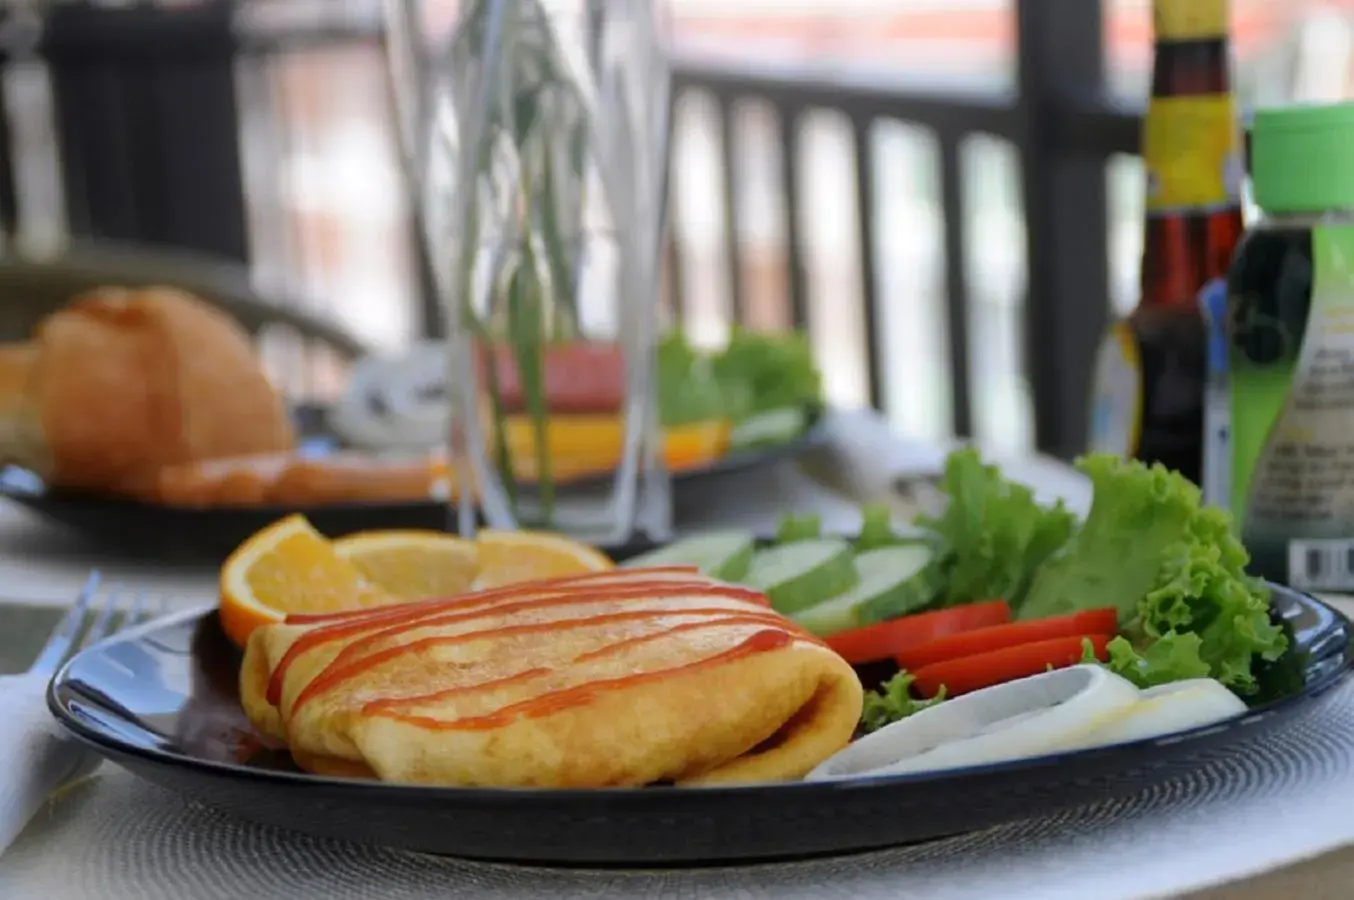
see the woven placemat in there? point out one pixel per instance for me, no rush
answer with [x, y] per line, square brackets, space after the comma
[1257, 806]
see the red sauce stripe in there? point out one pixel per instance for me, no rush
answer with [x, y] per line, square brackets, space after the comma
[334, 675]
[580, 695]
[406, 612]
[734, 620]
[350, 615]
[400, 620]
[630, 592]
[526, 675]
[772, 621]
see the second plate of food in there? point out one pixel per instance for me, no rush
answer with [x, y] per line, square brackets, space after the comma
[212, 529]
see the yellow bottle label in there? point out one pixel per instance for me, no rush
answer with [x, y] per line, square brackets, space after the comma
[1184, 20]
[1191, 151]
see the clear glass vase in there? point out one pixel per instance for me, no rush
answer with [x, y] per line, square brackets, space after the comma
[536, 133]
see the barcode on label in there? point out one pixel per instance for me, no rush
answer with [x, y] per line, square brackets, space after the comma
[1321, 564]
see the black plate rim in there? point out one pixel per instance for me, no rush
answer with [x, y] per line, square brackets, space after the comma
[814, 437]
[107, 743]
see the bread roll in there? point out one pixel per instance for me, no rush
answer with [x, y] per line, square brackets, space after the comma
[124, 382]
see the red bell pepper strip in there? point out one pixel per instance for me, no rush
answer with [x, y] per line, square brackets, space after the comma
[997, 637]
[972, 673]
[885, 640]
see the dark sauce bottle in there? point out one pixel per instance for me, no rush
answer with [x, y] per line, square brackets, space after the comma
[1151, 370]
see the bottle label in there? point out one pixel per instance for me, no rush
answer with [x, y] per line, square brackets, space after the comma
[1191, 152]
[1291, 366]
[1217, 440]
[1321, 565]
[1116, 394]
[1186, 20]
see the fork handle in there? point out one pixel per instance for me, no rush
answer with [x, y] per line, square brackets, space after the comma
[36, 754]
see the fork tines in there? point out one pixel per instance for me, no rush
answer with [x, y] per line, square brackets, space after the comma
[93, 616]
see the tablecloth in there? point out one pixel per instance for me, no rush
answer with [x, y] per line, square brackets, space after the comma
[1241, 811]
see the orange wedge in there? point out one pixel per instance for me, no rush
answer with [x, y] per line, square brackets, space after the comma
[507, 557]
[289, 567]
[413, 565]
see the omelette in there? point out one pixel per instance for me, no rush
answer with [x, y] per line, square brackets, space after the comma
[618, 678]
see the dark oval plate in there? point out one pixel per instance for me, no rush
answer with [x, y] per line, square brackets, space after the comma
[212, 533]
[162, 701]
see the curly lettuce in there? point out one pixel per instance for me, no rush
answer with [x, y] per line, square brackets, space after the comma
[992, 536]
[1173, 569]
[893, 702]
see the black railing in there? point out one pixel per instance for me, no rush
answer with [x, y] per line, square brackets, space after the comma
[149, 117]
[1064, 132]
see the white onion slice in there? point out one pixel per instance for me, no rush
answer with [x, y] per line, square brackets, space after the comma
[396, 403]
[1169, 708]
[1044, 713]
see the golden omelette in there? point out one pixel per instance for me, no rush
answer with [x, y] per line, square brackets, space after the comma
[627, 677]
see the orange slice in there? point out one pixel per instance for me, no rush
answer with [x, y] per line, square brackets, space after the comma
[507, 557]
[413, 565]
[289, 567]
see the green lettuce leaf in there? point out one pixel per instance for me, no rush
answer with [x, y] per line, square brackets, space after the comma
[992, 535]
[761, 371]
[1173, 657]
[687, 388]
[1172, 568]
[893, 702]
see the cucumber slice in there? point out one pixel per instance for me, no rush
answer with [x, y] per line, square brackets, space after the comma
[888, 577]
[725, 555]
[774, 426]
[914, 595]
[831, 616]
[801, 574]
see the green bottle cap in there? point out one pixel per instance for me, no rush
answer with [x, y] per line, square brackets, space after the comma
[1302, 158]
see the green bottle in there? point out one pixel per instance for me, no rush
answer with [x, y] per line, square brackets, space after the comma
[1290, 305]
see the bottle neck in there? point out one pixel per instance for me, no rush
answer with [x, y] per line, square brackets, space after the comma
[1191, 151]
[1192, 51]
[1195, 68]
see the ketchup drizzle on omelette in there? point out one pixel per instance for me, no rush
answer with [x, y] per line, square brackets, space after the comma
[583, 694]
[472, 606]
[370, 628]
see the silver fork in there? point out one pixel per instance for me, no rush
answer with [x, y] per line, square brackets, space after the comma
[36, 755]
[87, 622]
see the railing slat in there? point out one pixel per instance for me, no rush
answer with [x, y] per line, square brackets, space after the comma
[676, 279]
[733, 250]
[9, 206]
[869, 281]
[956, 285]
[1066, 218]
[98, 186]
[945, 105]
[794, 235]
[674, 270]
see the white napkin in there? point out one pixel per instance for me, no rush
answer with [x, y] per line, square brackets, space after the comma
[36, 755]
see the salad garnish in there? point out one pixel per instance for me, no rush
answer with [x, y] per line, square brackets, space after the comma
[1172, 570]
[893, 702]
[1175, 571]
[997, 586]
[992, 536]
[756, 375]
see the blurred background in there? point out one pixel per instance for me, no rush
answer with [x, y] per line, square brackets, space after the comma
[852, 165]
